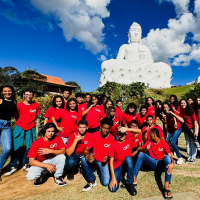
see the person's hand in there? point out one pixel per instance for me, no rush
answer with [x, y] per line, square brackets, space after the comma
[163, 115]
[148, 146]
[112, 184]
[43, 151]
[134, 153]
[122, 129]
[196, 134]
[78, 137]
[170, 168]
[105, 159]
[60, 128]
[175, 125]
[90, 158]
[147, 128]
[51, 168]
[92, 105]
[170, 112]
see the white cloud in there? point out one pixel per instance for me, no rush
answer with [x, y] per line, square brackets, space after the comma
[102, 58]
[79, 19]
[198, 68]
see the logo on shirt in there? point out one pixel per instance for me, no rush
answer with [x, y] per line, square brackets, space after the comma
[160, 149]
[75, 117]
[171, 118]
[53, 145]
[98, 110]
[126, 147]
[152, 111]
[85, 142]
[116, 123]
[136, 140]
[186, 117]
[33, 111]
[106, 145]
[82, 108]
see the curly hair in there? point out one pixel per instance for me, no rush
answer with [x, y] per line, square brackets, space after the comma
[13, 91]
[54, 101]
[146, 103]
[131, 105]
[69, 101]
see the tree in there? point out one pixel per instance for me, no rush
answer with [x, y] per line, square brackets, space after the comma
[78, 89]
[7, 74]
[29, 79]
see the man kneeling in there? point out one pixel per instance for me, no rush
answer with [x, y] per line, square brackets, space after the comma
[159, 155]
[47, 152]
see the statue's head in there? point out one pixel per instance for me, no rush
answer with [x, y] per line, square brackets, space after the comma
[135, 33]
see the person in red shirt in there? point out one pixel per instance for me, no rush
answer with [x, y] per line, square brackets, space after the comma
[108, 103]
[141, 117]
[118, 109]
[81, 105]
[174, 102]
[75, 147]
[189, 117]
[130, 114]
[158, 159]
[190, 101]
[120, 152]
[27, 113]
[93, 114]
[150, 125]
[66, 95]
[174, 128]
[58, 103]
[111, 113]
[103, 99]
[69, 119]
[47, 152]
[100, 143]
[87, 97]
[151, 107]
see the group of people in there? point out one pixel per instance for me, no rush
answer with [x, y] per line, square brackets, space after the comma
[95, 136]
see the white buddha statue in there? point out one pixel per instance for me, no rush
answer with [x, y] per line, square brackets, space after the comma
[134, 63]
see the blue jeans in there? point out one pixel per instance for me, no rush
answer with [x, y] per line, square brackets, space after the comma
[118, 173]
[104, 171]
[174, 139]
[71, 162]
[15, 158]
[152, 163]
[5, 141]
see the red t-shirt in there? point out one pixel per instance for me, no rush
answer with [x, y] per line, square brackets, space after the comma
[141, 120]
[81, 144]
[55, 144]
[148, 132]
[138, 140]
[69, 120]
[100, 145]
[173, 107]
[48, 114]
[151, 111]
[188, 119]
[120, 113]
[65, 105]
[27, 115]
[94, 116]
[119, 151]
[171, 122]
[116, 122]
[82, 107]
[56, 113]
[128, 118]
[198, 115]
[157, 151]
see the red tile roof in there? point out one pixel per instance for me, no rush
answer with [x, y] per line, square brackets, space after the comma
[56, 81]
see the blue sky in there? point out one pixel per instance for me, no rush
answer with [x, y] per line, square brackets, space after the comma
[70, 39]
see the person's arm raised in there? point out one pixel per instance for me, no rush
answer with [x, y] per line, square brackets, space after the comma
[86, 111]
[178, 117]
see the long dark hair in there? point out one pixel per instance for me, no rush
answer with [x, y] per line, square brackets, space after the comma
[13, 91]
[175, 101]
[54, 101]
[188, 110]
[108, 111]
[195, 103]
[70, 100]
[157, 110]
[108, 100]
[169, 105]
[146, 103]
[102, 97]
[90, 102]
[131, 105]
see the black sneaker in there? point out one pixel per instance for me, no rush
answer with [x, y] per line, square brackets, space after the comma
[70, 177]
[38, 182]
[192, 161]
[89, 186]
[196, 142]
[131, 189]
[188, 160]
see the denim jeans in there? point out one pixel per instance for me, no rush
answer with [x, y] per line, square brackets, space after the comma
[190, 146]
[153, 164]
[72, 161]
[104, 171]
[15, 158]
[35, 172]
[128, 162]
[5, 141]
[174, 139]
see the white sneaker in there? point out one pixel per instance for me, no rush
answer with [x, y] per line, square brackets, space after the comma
[11, 171]
[179, 161]
[89, 186]
[26, 167]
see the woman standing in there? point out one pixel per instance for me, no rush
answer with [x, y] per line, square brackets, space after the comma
[7, 109]
[130, 114]
[187, 113]
[174, 102]
[173, 127]
[108, 103]
[151, 108]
